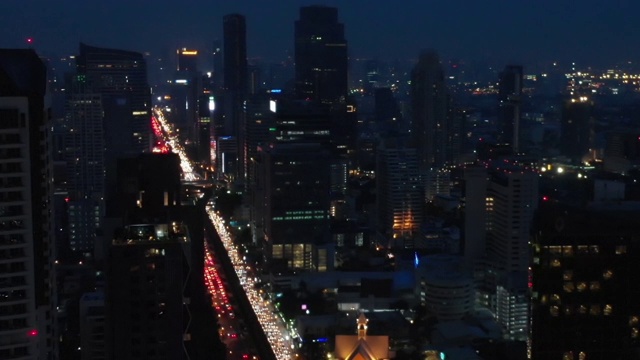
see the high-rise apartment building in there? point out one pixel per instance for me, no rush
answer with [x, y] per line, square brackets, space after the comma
[320, 55]
[27, 293]
[399, 199]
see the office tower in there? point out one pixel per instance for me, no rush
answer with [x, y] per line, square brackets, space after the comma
[204, 126]
[186, 90]
[27, 296]
[577, 129]
[320, 55]
[509, 106]
[585, 299]
[254, 82]
[235, 78]
[296, 207]
[475, 210]
[512, 198]
[235, 54]
[622, 152]
[187, 60]
[372, 73]
[399, 196]
[84, 149]
[301, 122]
[218, 70]
[387, 112]
[257, 121]
[429, 106]
[121, 78]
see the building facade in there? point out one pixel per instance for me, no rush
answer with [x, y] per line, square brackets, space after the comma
[27, 291]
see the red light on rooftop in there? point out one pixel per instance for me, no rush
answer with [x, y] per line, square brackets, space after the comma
[33, 332]
[67, 199]
[29, 40]
[545, 198]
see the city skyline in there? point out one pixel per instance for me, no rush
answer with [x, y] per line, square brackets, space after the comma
[594, 33]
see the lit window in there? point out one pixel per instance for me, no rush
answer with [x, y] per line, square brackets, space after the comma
[555, 298]
[555, 249]
[633, 320]
[594, 310]
[634, 333]
[555, 263]
[567, 251]
[607, 274]
[567, 275]
[621, 249]
[567, 355]
[568, 310]
[607, 310]
[582, 309]
[594, 286]
[582, 355]
[582, 286]
[554, 310]
[568, 287]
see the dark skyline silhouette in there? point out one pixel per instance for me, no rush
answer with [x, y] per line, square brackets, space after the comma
[589, 32]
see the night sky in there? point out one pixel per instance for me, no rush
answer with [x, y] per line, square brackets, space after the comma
[530, 32]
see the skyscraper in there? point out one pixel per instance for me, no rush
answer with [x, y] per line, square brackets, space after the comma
[26, 233]
[577, 128]
[120, 77]
[320, 55]
[509, 106]
[429, 106]
[399, 193]
[235, 54]
[84, 149]
[296, 213]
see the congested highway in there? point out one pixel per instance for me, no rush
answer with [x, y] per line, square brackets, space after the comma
[172, 139]
[273, 325]
[232, 330]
